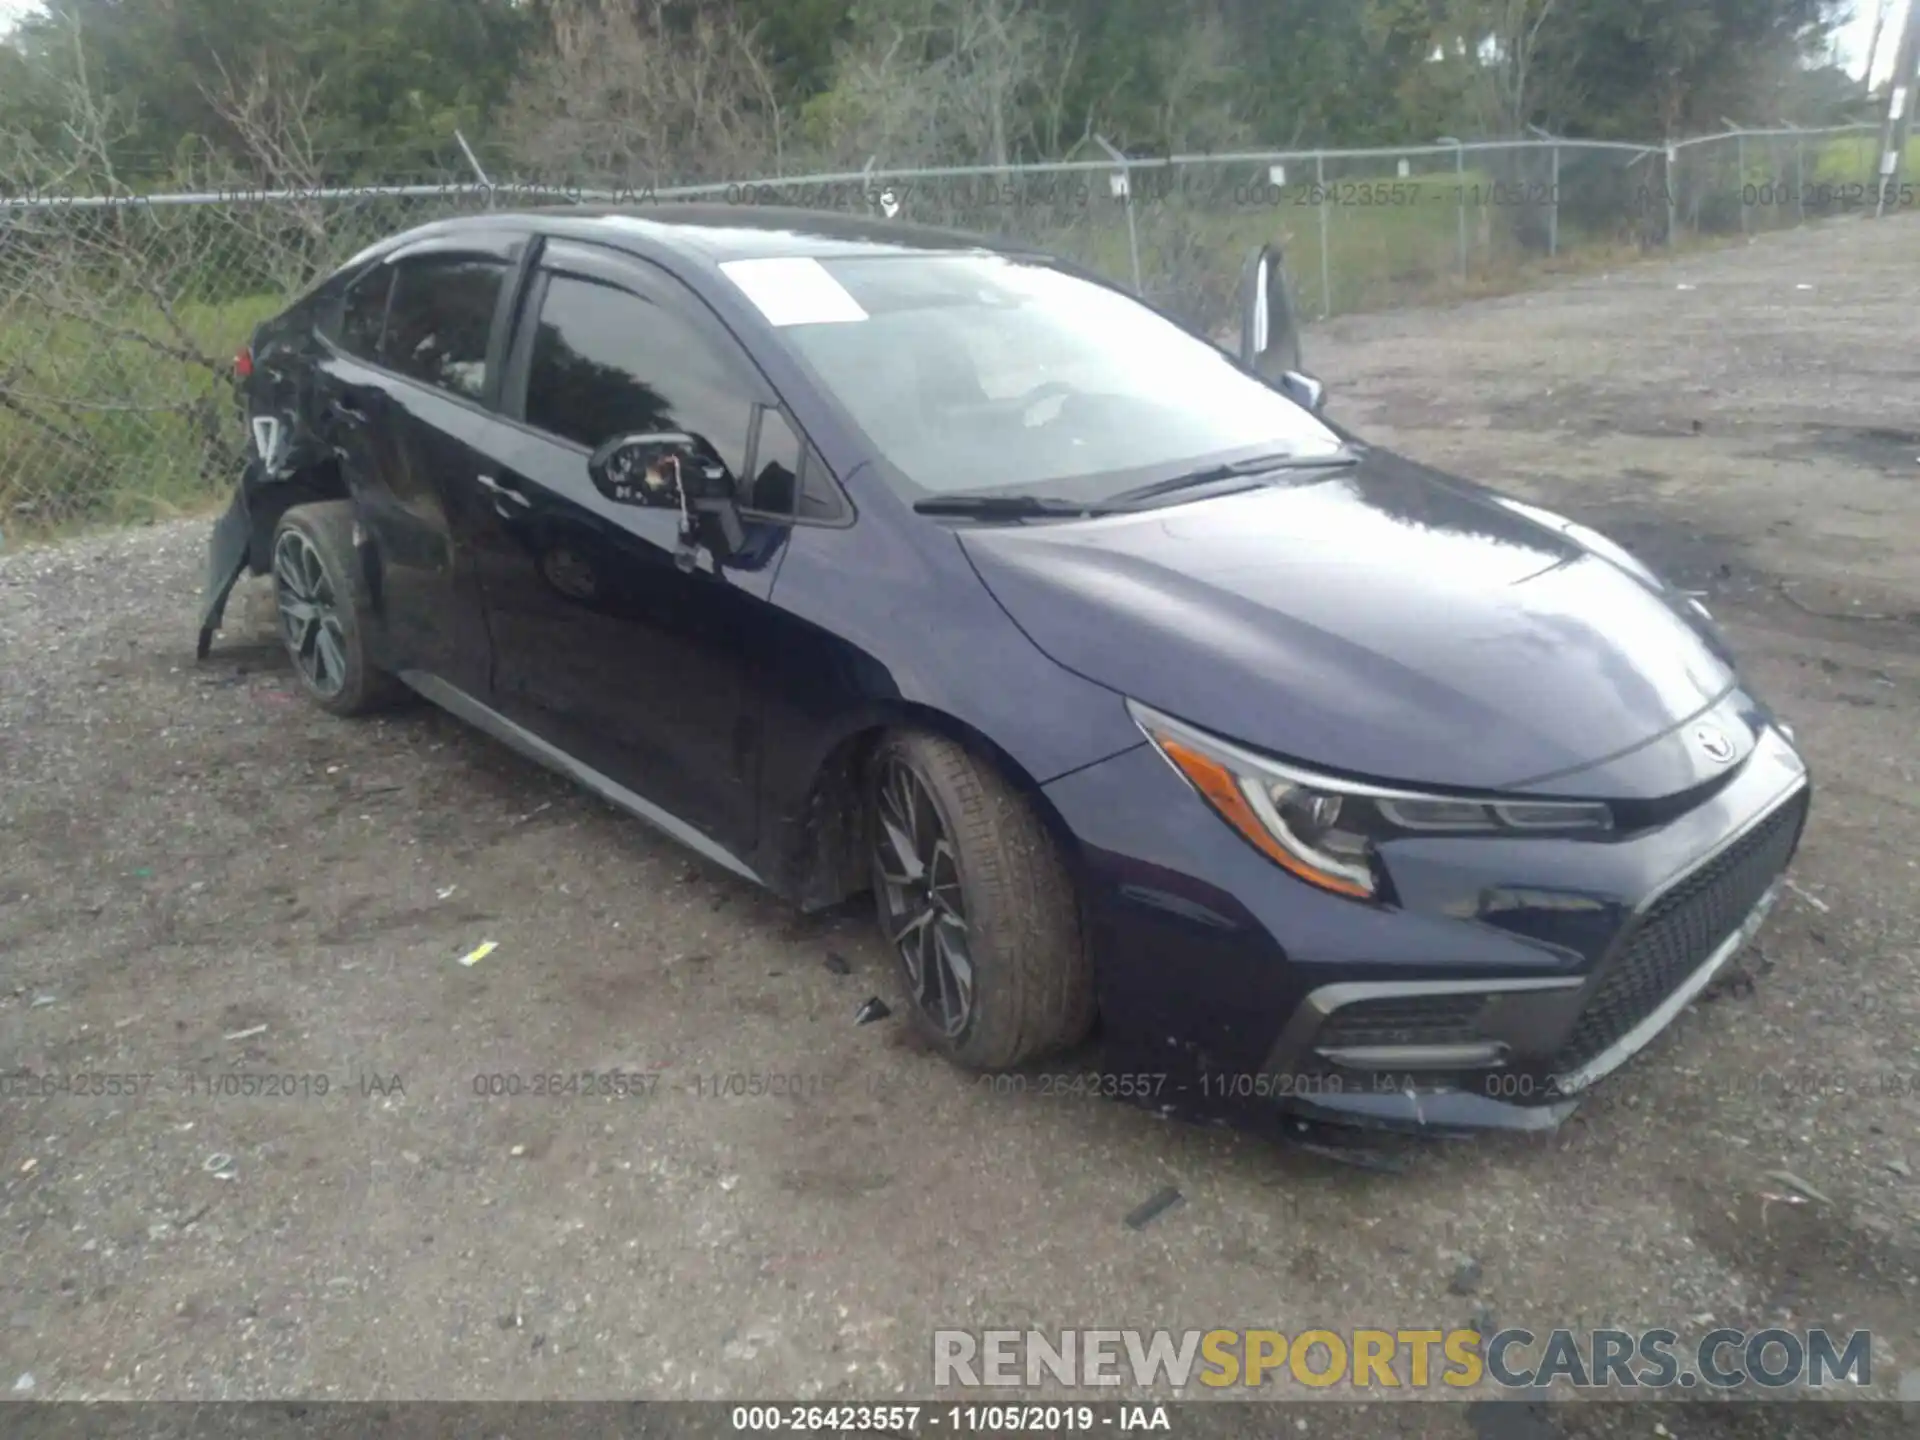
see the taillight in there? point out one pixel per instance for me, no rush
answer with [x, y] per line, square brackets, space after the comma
[243, 363]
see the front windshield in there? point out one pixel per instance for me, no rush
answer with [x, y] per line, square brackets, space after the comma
[987, 374]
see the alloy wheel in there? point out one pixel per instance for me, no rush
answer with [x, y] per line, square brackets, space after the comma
[309, 614]
[925, 906]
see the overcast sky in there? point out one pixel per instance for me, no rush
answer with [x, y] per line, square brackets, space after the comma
[1853, 39]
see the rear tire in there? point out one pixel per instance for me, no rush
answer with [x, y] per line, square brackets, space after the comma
[324, 610]
[977, 905]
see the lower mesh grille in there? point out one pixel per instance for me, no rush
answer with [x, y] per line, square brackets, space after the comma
[1675, 937]
[1403, 1020]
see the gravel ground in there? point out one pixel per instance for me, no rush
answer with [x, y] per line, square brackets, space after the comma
[201, 876]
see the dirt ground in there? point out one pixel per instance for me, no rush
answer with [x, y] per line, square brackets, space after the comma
[200, 877]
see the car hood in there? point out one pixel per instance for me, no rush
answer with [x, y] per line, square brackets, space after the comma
[1382, 621]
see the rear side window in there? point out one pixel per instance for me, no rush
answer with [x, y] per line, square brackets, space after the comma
[607, 362]
[363, 313]
[440, 320]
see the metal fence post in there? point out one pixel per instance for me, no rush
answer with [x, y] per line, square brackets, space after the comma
[1326, 233]
[1800, 176]
[1553, 203]
[1740, 178]
[1673, 196]
[472, 160]
[1460, 215]
[1126, 200]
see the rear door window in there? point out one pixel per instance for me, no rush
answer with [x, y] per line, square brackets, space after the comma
[440, 321]
[363, 313]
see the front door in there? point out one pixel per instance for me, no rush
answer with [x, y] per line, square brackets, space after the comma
[603, 644]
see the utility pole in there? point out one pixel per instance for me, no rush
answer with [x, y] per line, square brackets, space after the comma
[1873, 45]
[1899, 108]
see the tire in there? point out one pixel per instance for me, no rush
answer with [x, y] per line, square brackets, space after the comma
[993, 862]
[322, 606]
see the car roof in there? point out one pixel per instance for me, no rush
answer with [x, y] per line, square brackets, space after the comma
[717, 233]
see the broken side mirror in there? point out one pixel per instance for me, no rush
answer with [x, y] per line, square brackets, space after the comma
[673, 470]
[1270, 331]
[1304, 390]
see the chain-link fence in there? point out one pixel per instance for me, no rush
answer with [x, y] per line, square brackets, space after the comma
[120, 316]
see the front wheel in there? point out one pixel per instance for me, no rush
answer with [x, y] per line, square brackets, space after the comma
[977, 906]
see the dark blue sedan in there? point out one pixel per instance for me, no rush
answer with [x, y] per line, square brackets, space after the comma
[1142, 697]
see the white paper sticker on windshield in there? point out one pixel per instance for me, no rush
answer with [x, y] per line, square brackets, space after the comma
[794, 291]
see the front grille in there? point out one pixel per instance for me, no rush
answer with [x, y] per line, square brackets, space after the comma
[1675, 937]
[1403, 1020]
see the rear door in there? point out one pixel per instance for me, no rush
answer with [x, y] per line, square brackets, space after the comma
[602, 643]
[414, 365]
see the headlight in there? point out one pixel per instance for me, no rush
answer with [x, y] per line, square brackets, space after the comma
[1325, 830]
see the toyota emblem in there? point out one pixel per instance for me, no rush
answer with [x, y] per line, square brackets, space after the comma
[1713, 743]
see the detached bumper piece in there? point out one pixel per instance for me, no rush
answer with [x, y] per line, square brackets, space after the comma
[226, 562]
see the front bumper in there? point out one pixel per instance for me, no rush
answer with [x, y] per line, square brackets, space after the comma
[1511, 977]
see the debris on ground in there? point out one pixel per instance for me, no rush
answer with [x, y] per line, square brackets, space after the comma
[1154, 1207]
[1788, 1178]
[219, 1165]
[474, 957]
[1812, 900]
[874, 1009]
[40, 1002]
[1466, 1277]
[1900, 1168]
[248, 1033]
[837, 963]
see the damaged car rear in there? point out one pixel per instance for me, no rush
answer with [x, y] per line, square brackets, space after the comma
[1147, 702]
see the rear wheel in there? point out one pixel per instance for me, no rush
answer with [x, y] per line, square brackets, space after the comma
[977, 906]
[321, 596]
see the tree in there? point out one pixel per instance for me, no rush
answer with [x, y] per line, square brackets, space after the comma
[646, 98]
[391, 79]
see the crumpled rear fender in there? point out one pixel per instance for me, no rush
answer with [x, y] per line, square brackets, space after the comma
[242, 538]
[229, 555]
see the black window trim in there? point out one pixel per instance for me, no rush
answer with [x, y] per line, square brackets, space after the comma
[607, 265]
[508, 246]
[810, 460]
[336, 314]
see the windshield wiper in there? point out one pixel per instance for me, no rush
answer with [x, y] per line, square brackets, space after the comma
[1007, 507]
[1236, 470]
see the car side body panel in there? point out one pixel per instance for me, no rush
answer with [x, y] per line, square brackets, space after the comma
[732, 699]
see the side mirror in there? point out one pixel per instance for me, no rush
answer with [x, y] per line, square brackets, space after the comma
[1269, 332]
[1304, 390]
[672, 470]
[667, 470]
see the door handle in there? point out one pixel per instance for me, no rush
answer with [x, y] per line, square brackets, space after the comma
[504, 492]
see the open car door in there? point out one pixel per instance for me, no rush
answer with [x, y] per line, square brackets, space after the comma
[1269, 328]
